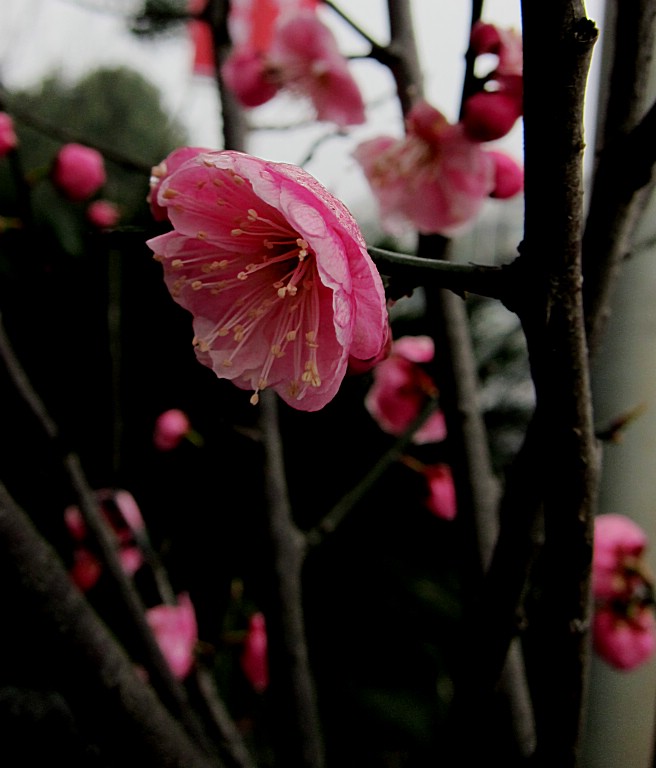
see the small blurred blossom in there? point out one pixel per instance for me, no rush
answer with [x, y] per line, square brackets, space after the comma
[284, 45]
[78, 171]
[122, 514]
[254, 660]
[491, 112]
[103, 214]
[441, 499]
[8, 138]
[624, 626]
[402, 388]
[434, 179]
[176, 631]
[171, 427]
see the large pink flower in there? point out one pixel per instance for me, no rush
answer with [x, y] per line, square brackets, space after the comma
[176, 631]
[295, 51]
[624, 626]
[276, 275]
[402, 388]
[435, 178]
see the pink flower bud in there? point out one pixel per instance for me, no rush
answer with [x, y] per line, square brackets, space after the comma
[103, 214]
[8, 138]
[490, 115]
[254, 660]
[441, 499]
[170, 429]
[176, 631]
[625, 642]
[78, 171]
[508, 176]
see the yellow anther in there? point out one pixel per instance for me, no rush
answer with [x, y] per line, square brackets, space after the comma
[252, 214]
[291, 290]
[177, 263]
[227, 363]
[223, 331]
[236, 232]
[262, 384]
[197, 285]
[281, 292]
[242, 276]
[291, 336]
[255, 398]
[169, 193]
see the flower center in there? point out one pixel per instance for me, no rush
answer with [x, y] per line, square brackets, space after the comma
[271, 297]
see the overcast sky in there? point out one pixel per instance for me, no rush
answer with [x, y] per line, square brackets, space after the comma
[38, 37]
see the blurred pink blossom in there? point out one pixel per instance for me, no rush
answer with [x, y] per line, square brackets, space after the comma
[124, 518]
[170, 429]
[625, 642]
[491, 112]
[103, 214]
[402, 388]
[254, 660]
[8, 138]
[78, 171]
[176, 631]
[441, 499]
[294, 51]
[508, 176]
[275, 272]
[434, 179]
[624, 626]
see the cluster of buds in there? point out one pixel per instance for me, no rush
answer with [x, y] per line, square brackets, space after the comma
[402, 388]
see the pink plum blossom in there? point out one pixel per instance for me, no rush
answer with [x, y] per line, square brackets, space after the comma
[275, 272]
[254, 659]
[294, 51]
[434, 179]
[103, 214]
[170, 429]
[78, 171]
[8, 138]
[126, 523]
[176, 632]
[441, 498]
[624, 626]
[402, 388]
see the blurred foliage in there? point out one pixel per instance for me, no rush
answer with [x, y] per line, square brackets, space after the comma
[116, 111]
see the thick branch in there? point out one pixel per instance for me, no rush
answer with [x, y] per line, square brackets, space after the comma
[97, 668]
[625, 162]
